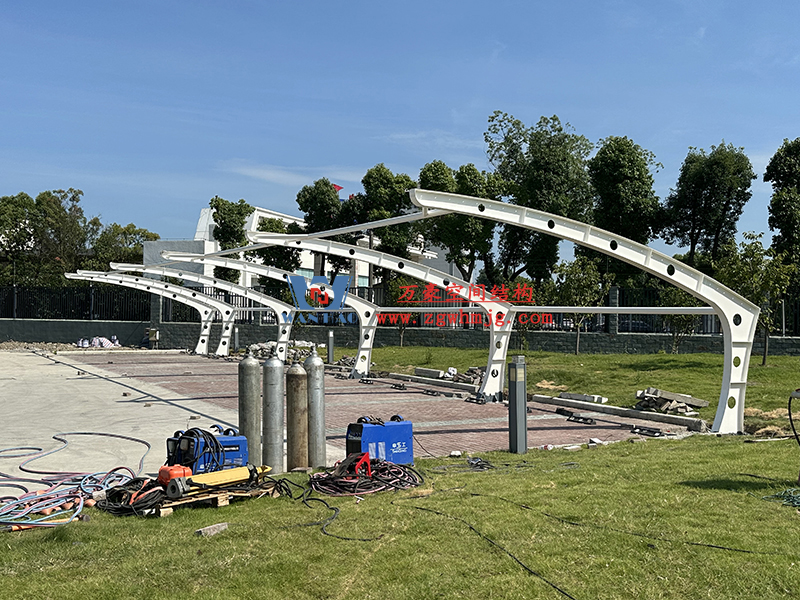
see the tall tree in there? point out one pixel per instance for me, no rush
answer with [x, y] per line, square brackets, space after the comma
[465, 239]
[322, 210]
[703, 209]
[580, 283]
[758, 274]
[17, 215]
[116, 243]
[544, 168]
[282, 257]
[783, 171]
[230, 219]
[625, 202]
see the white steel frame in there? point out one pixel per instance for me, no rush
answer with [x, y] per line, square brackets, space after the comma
[499, 335]
[367, 311]
[737, 315]
[283, 311]
[205, 305]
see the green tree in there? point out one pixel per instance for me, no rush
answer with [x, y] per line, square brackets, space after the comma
[282, 257]
[322, 210]
[60, 236]
[543, 167]
[758, 274]
[703, 209]
[680, 326]
[116, 243]
[17, 215]
[580, 283]
[783, 171]
[230, 219]
[465, 239]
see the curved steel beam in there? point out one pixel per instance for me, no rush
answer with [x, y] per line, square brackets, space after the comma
[283, 311]
[367, 311]
[500, 326]
[737, 315]
[203, 304]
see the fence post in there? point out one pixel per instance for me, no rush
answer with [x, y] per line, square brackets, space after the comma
[517, 406]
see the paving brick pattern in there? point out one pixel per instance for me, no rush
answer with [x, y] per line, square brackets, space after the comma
[441, 424]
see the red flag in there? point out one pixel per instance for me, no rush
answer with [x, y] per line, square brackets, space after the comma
[338, 188]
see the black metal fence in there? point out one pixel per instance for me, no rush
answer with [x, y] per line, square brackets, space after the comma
[114, 303]
[91, 302]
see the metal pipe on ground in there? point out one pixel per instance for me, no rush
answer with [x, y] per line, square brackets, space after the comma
[250, 404]
[315, 370]
[296, 417]
[273, 408]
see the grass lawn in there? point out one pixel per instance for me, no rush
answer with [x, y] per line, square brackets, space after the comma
[659, 519]
[619, 376]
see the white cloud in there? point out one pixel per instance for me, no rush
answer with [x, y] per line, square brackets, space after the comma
[435, 138]
[290, 176]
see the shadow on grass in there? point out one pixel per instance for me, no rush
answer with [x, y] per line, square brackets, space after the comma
[756, 484]
[661, 361]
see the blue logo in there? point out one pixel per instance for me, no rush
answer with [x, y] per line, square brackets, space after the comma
[329, 296]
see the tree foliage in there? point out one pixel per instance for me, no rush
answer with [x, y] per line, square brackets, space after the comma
[758, 274]
[703, 209]
[116, 243]
[543, 167]
[230, 218]
[465, 239]
[580, 283]
[783, 171]
[281, 257]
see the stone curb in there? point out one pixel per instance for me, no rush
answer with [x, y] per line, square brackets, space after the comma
[690, 423]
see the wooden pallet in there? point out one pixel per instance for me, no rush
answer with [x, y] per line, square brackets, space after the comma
[215, 499]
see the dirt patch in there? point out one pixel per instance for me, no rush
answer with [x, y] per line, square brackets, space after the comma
[551, 385]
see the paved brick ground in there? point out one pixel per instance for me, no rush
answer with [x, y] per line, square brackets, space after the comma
[441, 424]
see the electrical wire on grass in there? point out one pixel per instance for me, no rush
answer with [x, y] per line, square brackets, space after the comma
[416, 439]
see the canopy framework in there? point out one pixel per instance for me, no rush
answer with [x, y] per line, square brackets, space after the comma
[737, 315]
[367, 311]
[500, 325]
[205, 305]
[283, 311]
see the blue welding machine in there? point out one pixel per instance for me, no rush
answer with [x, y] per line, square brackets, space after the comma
[391, 441]
[204, 451]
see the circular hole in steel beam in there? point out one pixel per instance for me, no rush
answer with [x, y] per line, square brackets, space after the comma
[613, 244]
[671, 270]
[174, 295]
[400, 265]
[224, 343]
[352, 252]
[499, 344]
[481, 208]
[367, 314]
[494, 373]
[736, 361]
[202, 341]
[731, 402]
[551, 224]
[363, 358]
[446, 282]
[366, 336]
[737, 319]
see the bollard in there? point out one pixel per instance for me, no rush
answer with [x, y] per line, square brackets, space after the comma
[330, 346]
[315, 370]
[250, 405]
[517, 406]
[296, 417]
[272, 454]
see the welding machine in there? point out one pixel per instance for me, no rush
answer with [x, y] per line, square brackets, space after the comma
[207, 451]
[392, 441]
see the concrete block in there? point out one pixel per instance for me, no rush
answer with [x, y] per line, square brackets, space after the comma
[430, 373]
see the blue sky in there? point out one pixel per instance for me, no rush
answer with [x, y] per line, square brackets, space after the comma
[152, 108]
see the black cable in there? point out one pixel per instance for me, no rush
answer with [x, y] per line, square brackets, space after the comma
[416, 439]
[137, 497]
[496, 545]
[791, 422]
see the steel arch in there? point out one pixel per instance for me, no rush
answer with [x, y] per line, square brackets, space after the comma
[737, 315]
[282, 310]
[499, 335]
[203, 304]
[367, 311]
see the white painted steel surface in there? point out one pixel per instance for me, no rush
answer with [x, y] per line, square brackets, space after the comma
[737, 315]
[366, 311]
[203, 304]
